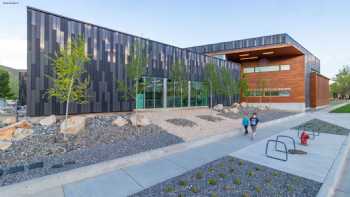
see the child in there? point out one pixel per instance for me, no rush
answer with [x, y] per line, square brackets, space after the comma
[245, 122]
[254, 120]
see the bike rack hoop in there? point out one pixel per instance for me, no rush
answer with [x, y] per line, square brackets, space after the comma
[275, 142]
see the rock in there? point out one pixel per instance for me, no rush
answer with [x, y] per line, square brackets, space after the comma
[120, 121]
[234, 110]
[10, 120]
[235, 105]
[74, 125]
[48, 121]
[218, 107]
[139, 120]
[21, 133]
[6, 133]
[244, 104]
[5, 145]
[225, 110]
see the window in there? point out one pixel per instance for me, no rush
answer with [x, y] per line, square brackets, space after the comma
[270, 92]
[266, 68]
[285, 67]
[248, 70]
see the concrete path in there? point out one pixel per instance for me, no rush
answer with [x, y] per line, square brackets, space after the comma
[133, 178]
[343, 188]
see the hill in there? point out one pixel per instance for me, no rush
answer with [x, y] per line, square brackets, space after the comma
[13, 78]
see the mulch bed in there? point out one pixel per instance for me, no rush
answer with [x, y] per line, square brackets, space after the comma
[182, 122]
[230, 176]
[210, 118]
[323, 127]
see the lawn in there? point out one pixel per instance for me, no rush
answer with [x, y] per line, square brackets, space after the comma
[343, 109]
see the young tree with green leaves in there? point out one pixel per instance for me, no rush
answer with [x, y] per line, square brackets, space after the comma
[230, 86]
[341, 85]
[135, 70]
[243, 86]
[5, 90]
[211, 77]
[178, 76]
[68, 83]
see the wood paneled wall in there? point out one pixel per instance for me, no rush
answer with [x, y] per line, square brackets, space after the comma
[319, 90]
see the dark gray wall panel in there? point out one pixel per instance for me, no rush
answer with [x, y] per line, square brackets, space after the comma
[110, 53]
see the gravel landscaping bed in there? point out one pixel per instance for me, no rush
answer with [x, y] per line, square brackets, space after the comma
[263, 115]
[323, 127]
[182, 122]
[46, 152]
[230, 176]
[210, 118]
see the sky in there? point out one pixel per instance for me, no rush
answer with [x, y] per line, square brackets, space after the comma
[321, 26]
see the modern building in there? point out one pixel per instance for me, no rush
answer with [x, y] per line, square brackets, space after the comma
[280, 72]
[110, 53]
[278, 62]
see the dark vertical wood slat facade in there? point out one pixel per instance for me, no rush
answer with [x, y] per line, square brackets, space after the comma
[110, 53]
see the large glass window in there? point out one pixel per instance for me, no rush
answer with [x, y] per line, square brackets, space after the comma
[248, 70]
[269, 92]
[266, 68]
[285, 67]
[272, 68]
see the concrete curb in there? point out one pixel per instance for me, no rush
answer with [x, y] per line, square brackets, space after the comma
[339, 105]
[335, 173]
[50, 182]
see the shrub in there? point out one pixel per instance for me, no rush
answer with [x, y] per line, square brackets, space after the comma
[258, 189]
[237, 181]
[181, 195]
[221, 165]
[213, 194]
[268, 180]
[289, 188]
[275, 173]
[169, 189]
[240, 162]
[227, 187]
[212, 182]
[250, 173]
[210, 169]
[257, 168]
[194, 189]
[183, 183]
[199, 175]
[222, 175]
[245, 194]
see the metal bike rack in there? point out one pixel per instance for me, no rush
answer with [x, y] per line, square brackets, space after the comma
[275, 142]
[284, 136]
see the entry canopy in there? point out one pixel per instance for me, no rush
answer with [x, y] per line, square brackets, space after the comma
[256, 53]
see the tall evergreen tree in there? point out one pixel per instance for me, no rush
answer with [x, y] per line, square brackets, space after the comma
[5, 90]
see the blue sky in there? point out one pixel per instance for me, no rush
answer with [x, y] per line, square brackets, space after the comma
[323, 26]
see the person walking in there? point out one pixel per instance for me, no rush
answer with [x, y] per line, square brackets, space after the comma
[254, 120]
[245, 122]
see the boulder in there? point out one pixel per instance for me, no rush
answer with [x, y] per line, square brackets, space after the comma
[9, 120]
[234, 110]
[244, 104]
[5, 145]
[218, 107]
[6, 133]
[73, 125]
[120, 121]
[48, 121]
[21, 133]
[139, 120]
[235, 105]
[225, 110]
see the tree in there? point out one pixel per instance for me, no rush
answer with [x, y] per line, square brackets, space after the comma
[230, 86]
[341, 85]
[135, 70]
[178, 76]
[243, 86]
[69, 85]
[5, 90]
[211, 77]
[261, 85]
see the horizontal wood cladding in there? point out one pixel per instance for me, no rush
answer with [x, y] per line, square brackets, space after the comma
[319, 85]
[110, 54]
[293, 79]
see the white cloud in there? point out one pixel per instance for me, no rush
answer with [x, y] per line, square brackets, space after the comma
[13, 53]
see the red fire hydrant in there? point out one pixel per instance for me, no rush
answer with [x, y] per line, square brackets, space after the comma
[304, 137]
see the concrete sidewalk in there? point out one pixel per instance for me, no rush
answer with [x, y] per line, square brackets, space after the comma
[133, 178]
